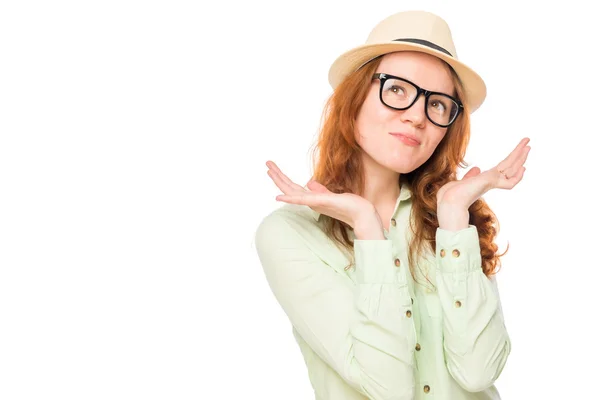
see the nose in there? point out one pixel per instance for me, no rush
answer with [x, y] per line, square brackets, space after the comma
[416, 113]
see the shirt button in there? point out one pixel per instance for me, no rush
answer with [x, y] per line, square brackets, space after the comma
[455, 253]
[426, 388]
[442, 252]
[408, 313]
[418, 347]
[397, 262]
[393, 222]
[457, 304]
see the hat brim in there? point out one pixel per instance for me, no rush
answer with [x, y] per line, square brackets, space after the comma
[350, 61]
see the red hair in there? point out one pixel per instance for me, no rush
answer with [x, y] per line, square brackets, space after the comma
[337, 165]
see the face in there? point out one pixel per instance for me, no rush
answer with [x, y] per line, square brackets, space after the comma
[377, 125]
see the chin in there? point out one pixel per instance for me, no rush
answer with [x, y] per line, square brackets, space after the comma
[401, 169]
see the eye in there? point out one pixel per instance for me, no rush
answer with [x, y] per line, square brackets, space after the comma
[399, 90]
[438, 106]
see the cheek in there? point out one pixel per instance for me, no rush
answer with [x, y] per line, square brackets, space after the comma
[367, 122]
[435, 136]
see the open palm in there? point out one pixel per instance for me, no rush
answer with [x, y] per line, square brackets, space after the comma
[506, 175]
[346, 207]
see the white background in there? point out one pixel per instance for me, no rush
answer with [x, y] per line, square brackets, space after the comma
[133, 142]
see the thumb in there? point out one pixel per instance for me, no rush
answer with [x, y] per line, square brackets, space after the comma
[316, 187]
[472, 172]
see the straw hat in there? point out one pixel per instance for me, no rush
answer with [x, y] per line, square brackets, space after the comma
[416, 31]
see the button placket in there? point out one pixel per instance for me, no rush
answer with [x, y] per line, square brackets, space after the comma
[403, 284]
[406, 286]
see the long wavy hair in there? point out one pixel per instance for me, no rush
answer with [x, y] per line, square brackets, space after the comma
[337, 164]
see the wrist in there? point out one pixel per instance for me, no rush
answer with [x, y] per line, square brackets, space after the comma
[452, 217]
[369, 233]
[368, 226]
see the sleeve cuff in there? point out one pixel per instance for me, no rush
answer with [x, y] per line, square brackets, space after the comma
[375, 262]
[458, 251]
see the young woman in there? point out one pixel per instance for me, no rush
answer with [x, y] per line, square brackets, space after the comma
[384, 262]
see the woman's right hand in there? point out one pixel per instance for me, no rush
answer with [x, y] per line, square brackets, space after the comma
[354, 210]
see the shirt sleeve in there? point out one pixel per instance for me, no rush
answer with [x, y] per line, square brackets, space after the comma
[365, 333]
[476, 342]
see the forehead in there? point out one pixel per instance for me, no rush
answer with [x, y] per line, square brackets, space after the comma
[425, 70]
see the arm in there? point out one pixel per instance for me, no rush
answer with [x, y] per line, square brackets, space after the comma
[476, 342]
[363, 333]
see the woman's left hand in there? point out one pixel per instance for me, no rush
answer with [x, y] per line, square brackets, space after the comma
[506, 175]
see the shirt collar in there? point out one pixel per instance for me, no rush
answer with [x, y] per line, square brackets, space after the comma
[405, 194]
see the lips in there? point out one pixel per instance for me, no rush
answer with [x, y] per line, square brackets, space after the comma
[407, 136]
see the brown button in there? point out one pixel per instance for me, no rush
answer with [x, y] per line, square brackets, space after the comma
[426, 388]
[418, 347]
[442, 252]
[393, 222]
[408, 313]
[455, 253]
[397, 262]
[457, 304]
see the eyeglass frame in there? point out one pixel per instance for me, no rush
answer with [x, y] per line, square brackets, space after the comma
[382, 77]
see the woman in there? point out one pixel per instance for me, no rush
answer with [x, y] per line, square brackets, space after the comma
[385, 262]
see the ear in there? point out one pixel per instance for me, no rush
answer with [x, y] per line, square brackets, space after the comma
[472, 172]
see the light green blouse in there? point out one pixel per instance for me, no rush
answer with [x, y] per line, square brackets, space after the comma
[370, 331]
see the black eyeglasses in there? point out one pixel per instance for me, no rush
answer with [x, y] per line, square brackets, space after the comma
[400, 94]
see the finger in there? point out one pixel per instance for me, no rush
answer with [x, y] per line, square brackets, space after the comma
[306, 198]
[511, 170]
[517, 178]
[283, 176]
[511, 181]
[472, 172]
[523, 156]
[286, 185]
[514, 155]
[281, 184]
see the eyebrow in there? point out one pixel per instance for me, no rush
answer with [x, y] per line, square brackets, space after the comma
[433, 91]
